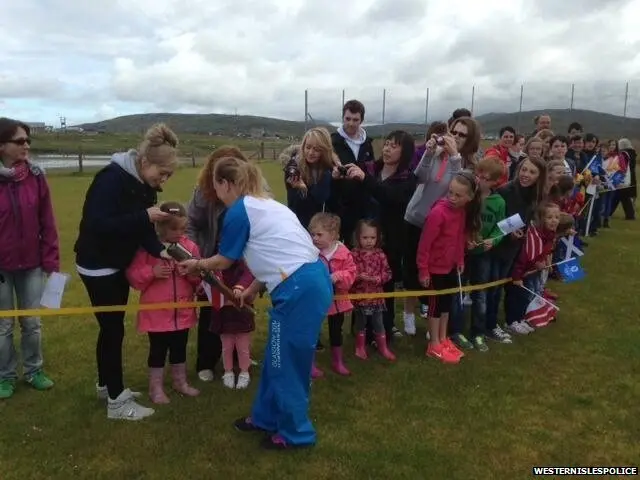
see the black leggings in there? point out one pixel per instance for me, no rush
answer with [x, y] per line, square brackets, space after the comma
[209, 344]
[441, 304]
[162, 342]
[109, 290]
[335, 329]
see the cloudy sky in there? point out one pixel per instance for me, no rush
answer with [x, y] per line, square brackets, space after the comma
[92, 60]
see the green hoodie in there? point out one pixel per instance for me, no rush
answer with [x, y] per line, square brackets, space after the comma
[493, 211]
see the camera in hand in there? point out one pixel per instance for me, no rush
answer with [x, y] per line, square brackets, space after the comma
[342, 170]
[291, 170]
[440, 141]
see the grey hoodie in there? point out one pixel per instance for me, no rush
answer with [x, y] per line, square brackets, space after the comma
[430, 188]
[354, 143]
[127, 161]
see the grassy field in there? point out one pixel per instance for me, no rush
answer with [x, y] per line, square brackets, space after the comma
[566, 395]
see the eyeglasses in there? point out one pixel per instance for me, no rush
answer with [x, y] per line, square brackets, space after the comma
[21, 142]
[458, 133]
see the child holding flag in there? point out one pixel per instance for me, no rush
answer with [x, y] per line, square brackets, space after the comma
[539, 244]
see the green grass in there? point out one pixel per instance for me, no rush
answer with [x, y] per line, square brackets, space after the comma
[567, 395]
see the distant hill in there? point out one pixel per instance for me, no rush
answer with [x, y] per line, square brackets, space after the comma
[603, 124]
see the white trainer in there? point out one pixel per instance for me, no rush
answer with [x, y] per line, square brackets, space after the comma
[103, 394]
[125, 408]
[229, 380]
[243, 381]
[517, 327]
[409, 324]
[205, 375]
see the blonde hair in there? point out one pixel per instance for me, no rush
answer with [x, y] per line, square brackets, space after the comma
[322, 138]
[159, 146]
[531, 141]
[205, 177]
[245, 175]
[492, 166]
[326, 221]
[566, 223]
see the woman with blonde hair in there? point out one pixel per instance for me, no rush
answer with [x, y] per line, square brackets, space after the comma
[307, 174]
[205, 213]
[280, 254]
[117, 219]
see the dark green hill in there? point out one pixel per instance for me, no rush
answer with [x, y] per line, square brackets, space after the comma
[603, 124]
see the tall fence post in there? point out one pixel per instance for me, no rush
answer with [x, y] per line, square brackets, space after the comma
[384, 103]
[426, 109]
[573, 90]
[520, 108]
[626, 99]
[80, 160]
[473, 98]
[341, 106]
[306, 109]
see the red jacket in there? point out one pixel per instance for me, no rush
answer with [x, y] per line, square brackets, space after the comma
[175, 288]
[503, 154]
[230, 320]
[443, 240]
[28, 235]
[371, 263]
[342, 267]
[538, 246]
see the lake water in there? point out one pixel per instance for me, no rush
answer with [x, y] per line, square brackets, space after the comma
[51, 162]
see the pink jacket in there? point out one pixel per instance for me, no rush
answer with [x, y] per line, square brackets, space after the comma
[28, 234]
[443, 240]
[372, 263]
[343, 273]
[176, 288]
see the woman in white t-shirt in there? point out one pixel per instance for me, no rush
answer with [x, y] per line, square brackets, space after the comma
[280, 254]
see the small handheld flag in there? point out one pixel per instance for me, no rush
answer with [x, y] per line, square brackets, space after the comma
[571, 271]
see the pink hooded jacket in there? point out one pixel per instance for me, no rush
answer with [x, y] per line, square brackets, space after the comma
[175, 288]
[343, 269]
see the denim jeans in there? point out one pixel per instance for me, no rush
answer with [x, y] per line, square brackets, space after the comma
[479, 271]
[28, 286]
[499, 269]
[516, 306]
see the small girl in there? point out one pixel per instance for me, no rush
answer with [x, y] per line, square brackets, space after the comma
[234, 327]
[534, 256]
[449, 226]
[373, 271]
[158, 280]
[325, 231]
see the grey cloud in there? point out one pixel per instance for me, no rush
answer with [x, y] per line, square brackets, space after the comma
[570, 10]
[396, 11]
[14, 86]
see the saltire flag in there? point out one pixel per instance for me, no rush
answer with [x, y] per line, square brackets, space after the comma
[571, 271]
[540, 312]
[569, 247]
[215, 297]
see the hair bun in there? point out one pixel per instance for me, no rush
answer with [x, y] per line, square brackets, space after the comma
[160, 134]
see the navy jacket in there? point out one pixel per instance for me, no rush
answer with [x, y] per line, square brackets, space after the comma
[114, 222]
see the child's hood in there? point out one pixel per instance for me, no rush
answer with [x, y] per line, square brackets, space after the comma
[342, 253]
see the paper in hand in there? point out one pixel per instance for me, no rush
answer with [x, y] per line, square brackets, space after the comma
[54, 289]
[511, 224]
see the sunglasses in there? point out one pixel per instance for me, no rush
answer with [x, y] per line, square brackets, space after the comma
[20, 141]
[458, 133]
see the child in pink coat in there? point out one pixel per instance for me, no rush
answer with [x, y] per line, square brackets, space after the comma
[159, 281]
[325, 231]
[373, 271]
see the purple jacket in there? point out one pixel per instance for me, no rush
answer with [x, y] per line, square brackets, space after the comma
[28, 235]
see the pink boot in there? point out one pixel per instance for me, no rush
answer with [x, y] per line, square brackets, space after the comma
[381, 341]
[361, 349]
[156, 390]
[336, 362]
[316, 372]
[180, 384]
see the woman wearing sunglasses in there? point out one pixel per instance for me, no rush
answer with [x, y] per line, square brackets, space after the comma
[443, 158]
[28, 250]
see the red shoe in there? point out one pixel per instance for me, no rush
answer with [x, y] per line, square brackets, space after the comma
[440, 353]
[316, 372]
[549, 295]
[451, 347]
[337, 364]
